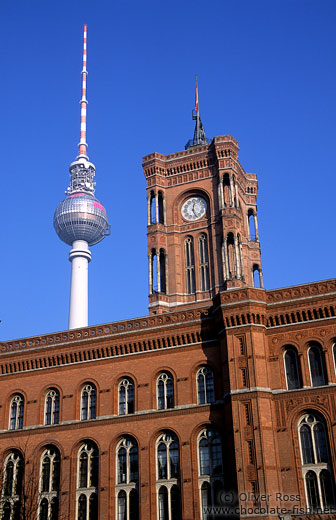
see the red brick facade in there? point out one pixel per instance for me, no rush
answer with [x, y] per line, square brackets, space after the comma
[242, 336]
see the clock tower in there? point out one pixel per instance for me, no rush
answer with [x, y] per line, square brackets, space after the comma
[202, 222]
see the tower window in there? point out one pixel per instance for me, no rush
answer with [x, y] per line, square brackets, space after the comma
[126, 396]
[88, 402]
[87, 482]
[316, 365]
[127, 479]
[293, 377]
[49, 484]
[316, 464]
[12, 486]
[16, 412]
[204, 262]
[210, 467]
[167, 477]
[165, 391]
[205, 385]
[190, 265]
[51, 407]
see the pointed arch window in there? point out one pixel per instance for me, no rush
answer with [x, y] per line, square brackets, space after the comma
[316, 365]
[87, 482]
[293, 375]
[205, 385]
[49, 484]
[165, 391]
[204, 262]
[316, 463]
[52, 406]
[127, 478]
[88, 402]
[168, 477]
[11, 486]
[126, 396]
[210, 467]
[190, 264]
[16, 412]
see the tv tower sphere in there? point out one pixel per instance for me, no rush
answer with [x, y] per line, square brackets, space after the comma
[80, 220]
[80, 216]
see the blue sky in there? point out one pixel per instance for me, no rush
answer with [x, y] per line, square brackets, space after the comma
[266, 75]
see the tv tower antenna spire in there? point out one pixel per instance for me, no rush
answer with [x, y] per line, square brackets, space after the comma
[80, 220]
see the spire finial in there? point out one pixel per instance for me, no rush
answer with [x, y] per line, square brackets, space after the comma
[199, 133]
[83, 144]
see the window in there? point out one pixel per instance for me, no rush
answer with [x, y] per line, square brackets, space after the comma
[16, 412]
[126, 396]
[49, 484]
[167, 477]
[316, 464]
[190, 265]
[11, 486]
[87, 482]
[316, 365]
[293, 378]
[210, 468]
[204, 262]
[165, 391]
[88, 401]
[127, 477]
[205, 386]
[51, 407]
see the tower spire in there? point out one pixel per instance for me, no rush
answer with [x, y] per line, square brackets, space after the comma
[199, 138]
[83, 102]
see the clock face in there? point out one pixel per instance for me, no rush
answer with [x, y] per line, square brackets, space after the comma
[194, 208]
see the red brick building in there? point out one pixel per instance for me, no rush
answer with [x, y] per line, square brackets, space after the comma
[225, 391]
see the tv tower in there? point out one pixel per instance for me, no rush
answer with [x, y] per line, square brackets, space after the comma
[80, 220]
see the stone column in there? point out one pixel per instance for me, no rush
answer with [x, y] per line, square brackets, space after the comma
[166, 271]
[156, 208]
[158, 273]
[241, 260]
[224, 263]
[222, 191]
[226, 259]
[237, 257]
[149, 210]
[256, 226]
[164, 211]
[261, 278]
[231, 192]
[236, 194]
[150, 273]
[219, 196]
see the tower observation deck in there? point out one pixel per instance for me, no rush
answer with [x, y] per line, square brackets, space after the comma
[80, 220]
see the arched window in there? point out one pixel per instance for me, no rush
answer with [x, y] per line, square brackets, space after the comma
[11, 486]
[251, 222]
[165, 391]
[126, 396]
[190, 264]
[210, 467]
[257, 276]
[293, 376]
[87, 482]
[231, 257]
[205, 385]
[16, 412]
[51, 407]
[204, 262]
[316, 365]
[49, 484]
[127, 478]
[88, 401]
[316, 464]
[167, 477]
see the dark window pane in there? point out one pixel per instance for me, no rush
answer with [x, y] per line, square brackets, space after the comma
[162, 461]
[316, 369]
[163, 503]
[312, 491]
[306, 445]
[292, 374]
